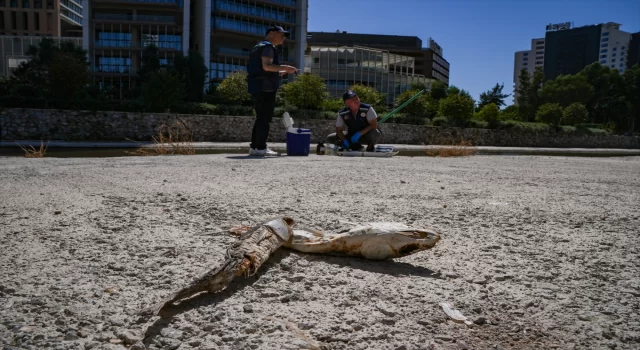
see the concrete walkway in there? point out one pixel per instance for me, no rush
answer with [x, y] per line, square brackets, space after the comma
[236, 147]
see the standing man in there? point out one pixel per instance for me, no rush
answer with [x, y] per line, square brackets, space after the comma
[263, 80]
[362, 124]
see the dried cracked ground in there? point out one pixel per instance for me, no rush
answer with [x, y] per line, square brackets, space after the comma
[540, 252]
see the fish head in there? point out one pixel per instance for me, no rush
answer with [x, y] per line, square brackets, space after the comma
[388, 244]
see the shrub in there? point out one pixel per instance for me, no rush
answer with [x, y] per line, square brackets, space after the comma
[550, 113]
[575, 113]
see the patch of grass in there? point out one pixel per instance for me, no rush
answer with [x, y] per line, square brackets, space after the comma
[464, 148]
[31, 152]
[171, 139]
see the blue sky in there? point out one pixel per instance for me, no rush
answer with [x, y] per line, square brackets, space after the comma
[479, 37]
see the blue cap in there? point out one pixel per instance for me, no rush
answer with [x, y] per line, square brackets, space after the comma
[349, 94]
[277, 29]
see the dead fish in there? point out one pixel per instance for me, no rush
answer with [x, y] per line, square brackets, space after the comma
[244, 257]
[376, 240]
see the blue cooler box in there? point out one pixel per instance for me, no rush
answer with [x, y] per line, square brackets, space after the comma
[298, 141]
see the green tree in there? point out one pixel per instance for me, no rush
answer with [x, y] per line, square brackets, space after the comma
[36, 71]
[162, 90]
[457, 107]
[550, 113]
[150, 62]
[567, 89]
[575, 113]
[193, 72]
[308, 91]
[489, 113]
[418, 107]
[68, 76]
[371, 96]
[233, 89]
[631, 78]
[522, 95]
[509, 113]
[495, 96]
[438, 90]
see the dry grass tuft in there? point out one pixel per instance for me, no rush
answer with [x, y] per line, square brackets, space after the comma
[33, 153]
[171, 139]
[455, 149]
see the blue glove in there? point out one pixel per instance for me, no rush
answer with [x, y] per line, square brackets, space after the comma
[346, 143]
[355, 137]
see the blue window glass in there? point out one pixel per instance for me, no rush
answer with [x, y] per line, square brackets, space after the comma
[622, 48]
[605, 34]
[605, 50]
[113, 64]
[526, 54]
[603, 56]
[113, 39]
[604, 45]
[613, 54]
[242, 26]
[613, 60]
[253, 10]
[605, 39]
[603, 61]
[164, 41]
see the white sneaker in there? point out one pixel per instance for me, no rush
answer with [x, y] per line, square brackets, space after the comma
[252, 151]
[266, 152]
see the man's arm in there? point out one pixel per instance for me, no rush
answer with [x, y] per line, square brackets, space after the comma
[372, 118]
[339, 128]
[267, 65]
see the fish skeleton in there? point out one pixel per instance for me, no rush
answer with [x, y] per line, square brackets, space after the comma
[244, 257]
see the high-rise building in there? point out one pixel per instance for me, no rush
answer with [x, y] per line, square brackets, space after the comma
[54, 18]
[233, 28]
[565, 50]
[429, 61]
[116, 32]
[25, 22]
[529, 60]
[633, 55]
[222, 31]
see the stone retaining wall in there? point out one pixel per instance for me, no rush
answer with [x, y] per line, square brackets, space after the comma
[34, 124]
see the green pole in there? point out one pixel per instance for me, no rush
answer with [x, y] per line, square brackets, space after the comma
[401, 106]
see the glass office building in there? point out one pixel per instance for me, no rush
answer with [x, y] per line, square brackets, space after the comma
[391, 74]
[236, 26]
[117, 32]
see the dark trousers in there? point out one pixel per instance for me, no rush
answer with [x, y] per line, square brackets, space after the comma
[370, 139]
[264, 104]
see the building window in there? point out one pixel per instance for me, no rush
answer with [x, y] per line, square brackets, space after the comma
[164, 41]
[613, 54]
[525, 59]
[14, 22]
[525, 64]
[538, 62]
[621, 64]
[525, 54]
[14, 3]
[603, 56]
[113, 39]
[1, 18]
[603, 61]
[25, 4]
[25, 21]
[49, 4]
[268, 13]
[3, 3]
[113, 64]
[622, 48]
[539, 52]
[613, 60]
[604, 45]
[604, 50]
[605, 39]
[222, 70]
[605, 34]
[37, 4]
[36, 21]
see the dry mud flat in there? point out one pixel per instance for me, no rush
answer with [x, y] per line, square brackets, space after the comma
[540, 252]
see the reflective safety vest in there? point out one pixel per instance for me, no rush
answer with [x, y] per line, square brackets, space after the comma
[258, 79]
[357, 122]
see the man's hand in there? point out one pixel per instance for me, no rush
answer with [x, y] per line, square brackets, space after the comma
[289, 69]
[355, 137]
